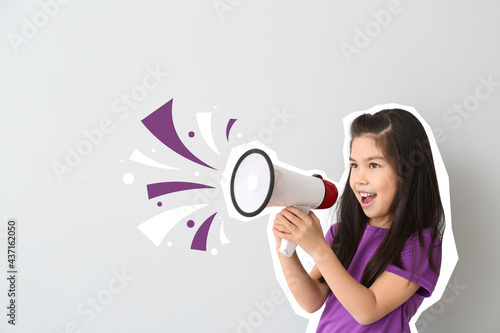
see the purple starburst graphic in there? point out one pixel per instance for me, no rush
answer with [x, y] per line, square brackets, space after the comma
[161, 124]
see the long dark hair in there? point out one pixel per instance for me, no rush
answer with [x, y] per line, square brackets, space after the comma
[417, 203]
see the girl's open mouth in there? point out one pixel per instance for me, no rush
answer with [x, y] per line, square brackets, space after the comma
[367, 198]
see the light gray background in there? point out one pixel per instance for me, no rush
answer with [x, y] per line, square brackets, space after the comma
[260, 56]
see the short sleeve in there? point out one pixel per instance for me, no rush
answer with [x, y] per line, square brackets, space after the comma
[330, 234]
[416, 264]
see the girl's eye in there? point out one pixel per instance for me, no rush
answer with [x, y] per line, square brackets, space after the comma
[354, 166]
[374, 165]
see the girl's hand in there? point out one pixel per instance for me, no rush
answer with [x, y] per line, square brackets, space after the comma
[294, 225]
[279, 230]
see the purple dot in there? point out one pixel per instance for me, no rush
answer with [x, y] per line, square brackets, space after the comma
[159, 204]
[191, 134]
[190, 223]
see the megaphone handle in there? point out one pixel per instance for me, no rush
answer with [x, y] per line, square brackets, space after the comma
[287, 248]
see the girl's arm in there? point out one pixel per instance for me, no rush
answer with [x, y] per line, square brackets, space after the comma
[366, 305]
[307, 291]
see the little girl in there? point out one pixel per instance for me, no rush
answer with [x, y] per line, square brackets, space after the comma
[376, 265]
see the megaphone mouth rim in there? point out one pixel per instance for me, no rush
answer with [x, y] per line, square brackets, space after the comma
[271, 182]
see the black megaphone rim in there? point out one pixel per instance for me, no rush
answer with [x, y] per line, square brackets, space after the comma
[271, 185]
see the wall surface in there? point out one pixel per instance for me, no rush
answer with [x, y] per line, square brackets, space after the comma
[78, 77]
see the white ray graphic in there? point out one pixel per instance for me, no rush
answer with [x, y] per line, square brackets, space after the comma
[157, 227]
[139, 157]
[205, 125]
[223, 237]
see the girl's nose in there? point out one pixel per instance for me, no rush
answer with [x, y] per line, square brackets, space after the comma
[360, 177]
[361, 182]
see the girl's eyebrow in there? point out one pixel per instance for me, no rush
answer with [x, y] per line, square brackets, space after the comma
[371, 158]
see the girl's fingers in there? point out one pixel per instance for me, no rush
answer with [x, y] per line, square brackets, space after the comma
[297, 217]
[294, 225]
[282, 235]
[314, 217]
[290, 216]
[288, 220]
[279, 224]
[295, 211]
[281, 228]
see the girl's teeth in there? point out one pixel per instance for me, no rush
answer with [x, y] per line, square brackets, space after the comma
[365, 196]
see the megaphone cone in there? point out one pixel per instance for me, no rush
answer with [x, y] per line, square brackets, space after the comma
[256, 183]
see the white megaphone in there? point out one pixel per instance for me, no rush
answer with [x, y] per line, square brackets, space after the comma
[256, 184]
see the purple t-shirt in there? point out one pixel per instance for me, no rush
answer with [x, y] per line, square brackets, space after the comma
[336, 318]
